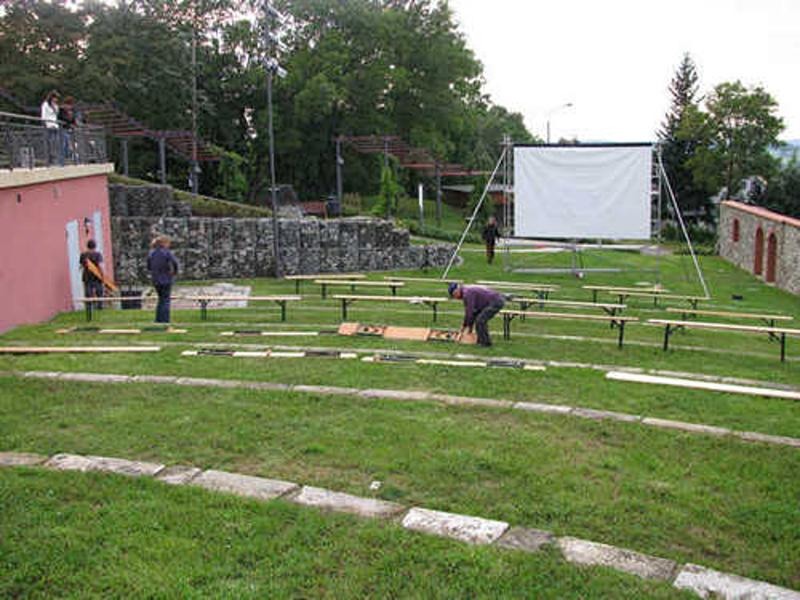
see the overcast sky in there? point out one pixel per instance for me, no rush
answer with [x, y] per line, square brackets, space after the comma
[614, 59]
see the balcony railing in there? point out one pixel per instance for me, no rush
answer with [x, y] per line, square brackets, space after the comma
[25, 143]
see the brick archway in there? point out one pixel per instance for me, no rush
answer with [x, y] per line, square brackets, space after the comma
[758, 261]
[772, 257]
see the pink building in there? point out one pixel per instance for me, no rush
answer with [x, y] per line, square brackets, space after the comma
[46, 217]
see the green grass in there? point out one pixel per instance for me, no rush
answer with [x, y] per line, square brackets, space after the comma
[717, 502]
[95, 536]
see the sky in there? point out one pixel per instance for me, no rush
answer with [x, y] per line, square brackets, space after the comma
[613, 60]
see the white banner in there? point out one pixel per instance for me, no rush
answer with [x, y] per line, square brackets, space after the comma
[583, 191]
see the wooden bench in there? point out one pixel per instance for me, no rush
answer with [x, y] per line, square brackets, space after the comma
[89, 304]
[347, 300]
[610, 309]
[300, 278]
[542, 290]
[769, 320]
[422, 279]
[624, 293]
[318, 208]
[618, 321]
[775, 333]
[205, 300]
[325, 283]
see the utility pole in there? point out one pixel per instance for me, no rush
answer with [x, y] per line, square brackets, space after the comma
[273, 68]
[195, 168]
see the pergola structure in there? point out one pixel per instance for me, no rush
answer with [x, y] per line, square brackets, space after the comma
[122, 126]
[409, 157]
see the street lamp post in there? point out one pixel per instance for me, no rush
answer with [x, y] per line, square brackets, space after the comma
[552, 112]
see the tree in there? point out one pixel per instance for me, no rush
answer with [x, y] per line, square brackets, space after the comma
[676, 152]
[734, 135]
[783, 191]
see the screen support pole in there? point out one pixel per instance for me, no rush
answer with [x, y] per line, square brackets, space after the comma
[474, 213]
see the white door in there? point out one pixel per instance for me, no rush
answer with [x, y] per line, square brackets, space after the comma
[73, 256]
[97, 231]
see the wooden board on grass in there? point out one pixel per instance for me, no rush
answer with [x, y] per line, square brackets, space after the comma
[74, 349]
[419, 334]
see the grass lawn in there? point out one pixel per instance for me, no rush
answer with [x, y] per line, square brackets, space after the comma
[721, 503]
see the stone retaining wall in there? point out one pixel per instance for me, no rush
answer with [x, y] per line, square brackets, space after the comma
[210, 248]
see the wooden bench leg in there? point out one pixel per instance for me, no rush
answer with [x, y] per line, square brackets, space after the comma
[296, 286]
[783, 347]
[203, 310]
[88, 307]
[506, 327]
[666, 338]
[344, 309]
[621, 325]
[523, 306]
[323, 290]
[283, 309]
[394, 290]
[594, 296]
[433, 306]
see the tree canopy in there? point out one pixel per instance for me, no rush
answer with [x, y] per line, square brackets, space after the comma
[354, 68]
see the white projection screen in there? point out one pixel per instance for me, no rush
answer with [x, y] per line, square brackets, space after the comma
[590, 191]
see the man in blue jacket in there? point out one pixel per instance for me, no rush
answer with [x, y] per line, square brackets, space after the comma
[480, 305]
[163, 267]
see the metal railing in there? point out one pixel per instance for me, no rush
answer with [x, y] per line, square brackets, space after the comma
[26, 143]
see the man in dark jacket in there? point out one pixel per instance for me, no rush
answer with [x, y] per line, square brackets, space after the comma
[92, 284]
[480, 305]
[490, 235]
[163, 267]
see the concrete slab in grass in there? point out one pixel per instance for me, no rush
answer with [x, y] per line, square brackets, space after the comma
[121, 466]
[336, 501]
[558, 409]
[178, 474]
[395, 395]
[708, 583]
[599, 415]
[474, 530]
[96, 377]
[583, 552]
[20, 459]
[752, 436]
[470, 401]
[169, 379]
[527, 540]
[203, 382]
[42, 374]
[244, 485]
[326, 389]
[690, 427]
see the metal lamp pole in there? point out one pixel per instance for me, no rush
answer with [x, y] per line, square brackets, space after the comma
[551, 113]
[272, 68]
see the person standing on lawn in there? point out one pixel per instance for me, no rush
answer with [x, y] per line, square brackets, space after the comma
[92, 284]
[163, 267]
[490, 235]
[480, 305]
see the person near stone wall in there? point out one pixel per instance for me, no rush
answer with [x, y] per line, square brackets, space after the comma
[163, 267]
[92, 284]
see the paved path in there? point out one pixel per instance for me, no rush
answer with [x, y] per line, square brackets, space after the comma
[464, 528]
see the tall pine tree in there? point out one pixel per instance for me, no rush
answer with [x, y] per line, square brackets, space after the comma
[676, 150]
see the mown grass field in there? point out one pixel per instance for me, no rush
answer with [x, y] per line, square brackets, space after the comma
[722, 503]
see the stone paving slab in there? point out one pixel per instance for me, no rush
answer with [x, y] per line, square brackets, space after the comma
[470, 401]
[752, 436]
[43, 374]
[121, 466]
[473, 530]
[558, 409]
[584, 552]
[96, 377]
[161, 379]
[178, 474]
[244, 485]
[599, 415]
[395, 394]
[20, 459]
[204, 382]
[339, 502]
[527, 540]
[326, 389]
[708, 583]
[690, 427]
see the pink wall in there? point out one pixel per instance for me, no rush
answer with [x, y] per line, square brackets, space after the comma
[34, 269]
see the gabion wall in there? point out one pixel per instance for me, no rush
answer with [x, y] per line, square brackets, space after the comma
[213, 248]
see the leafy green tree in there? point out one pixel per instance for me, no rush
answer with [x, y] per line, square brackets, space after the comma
[734, 136]
[783, 191]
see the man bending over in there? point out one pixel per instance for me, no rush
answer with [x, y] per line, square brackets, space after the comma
[480, 305]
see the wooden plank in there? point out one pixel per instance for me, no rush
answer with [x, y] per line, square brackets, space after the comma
[555, 315]
[519, 285]
[422, 279]
[725, 326]
[616, 288]
[390, 284]
[703, 385]
[74, 349]
[95, 270]
[348, 329]
[325, 276]
[409, 299]
[571, 303]
[240, 298]
[659, 295]
[419, 334]
[732, 315]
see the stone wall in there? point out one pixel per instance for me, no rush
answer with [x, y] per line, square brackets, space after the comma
[212, 248]
[742, 252]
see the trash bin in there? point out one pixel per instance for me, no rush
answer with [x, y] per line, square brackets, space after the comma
[131, 299]
[333, 207]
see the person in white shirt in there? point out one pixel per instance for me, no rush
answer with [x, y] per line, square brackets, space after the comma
[49, 115]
